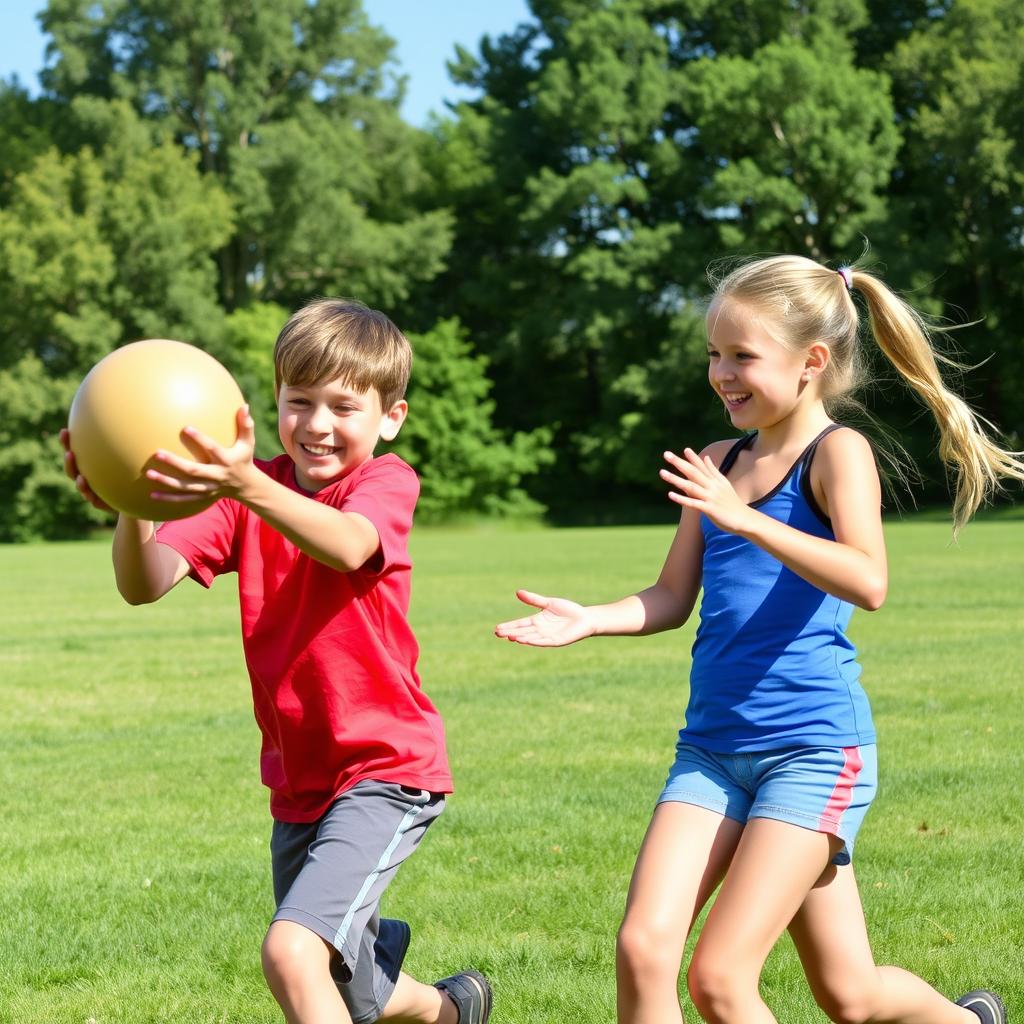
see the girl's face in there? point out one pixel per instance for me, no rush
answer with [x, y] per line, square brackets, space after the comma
[759, 381]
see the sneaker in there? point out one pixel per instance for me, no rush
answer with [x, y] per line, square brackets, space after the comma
[471, 993]
[987, 1005]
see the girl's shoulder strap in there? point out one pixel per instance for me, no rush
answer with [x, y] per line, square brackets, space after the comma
[733, 453]
[805, 460]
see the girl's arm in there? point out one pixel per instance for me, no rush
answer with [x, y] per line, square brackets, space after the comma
[664, 605]
[853, 566]
[341, 540]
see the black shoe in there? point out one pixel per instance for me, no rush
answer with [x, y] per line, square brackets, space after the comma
[471, 993]
[987, 1005]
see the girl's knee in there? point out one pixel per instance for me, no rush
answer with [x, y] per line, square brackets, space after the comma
[847, 1003]
[719, 988]
[644, 949]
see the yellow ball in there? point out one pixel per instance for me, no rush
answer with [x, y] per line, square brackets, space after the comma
[138, 399]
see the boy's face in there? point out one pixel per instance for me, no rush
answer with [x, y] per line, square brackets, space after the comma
[330, 429]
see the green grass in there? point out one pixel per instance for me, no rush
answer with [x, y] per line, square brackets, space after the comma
[135, 832]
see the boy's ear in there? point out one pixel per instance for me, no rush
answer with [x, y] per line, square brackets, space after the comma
[392, 420]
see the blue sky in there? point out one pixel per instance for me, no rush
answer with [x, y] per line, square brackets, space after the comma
[425, 31]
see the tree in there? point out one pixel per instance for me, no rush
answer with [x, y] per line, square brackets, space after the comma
[246, 348]
[616, 149]
[292, 106]
[28, 130]
[466, 464]
[959, 234]
[98, 247]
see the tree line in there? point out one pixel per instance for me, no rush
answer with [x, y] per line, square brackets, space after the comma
[197, 169]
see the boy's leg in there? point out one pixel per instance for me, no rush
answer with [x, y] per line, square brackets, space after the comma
[346, 864]
[831, 937]
[296, 964]
[461, 999]
[311, 994]
[682, 859]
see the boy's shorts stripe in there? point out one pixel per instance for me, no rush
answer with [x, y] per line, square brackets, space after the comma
[385, 859]
[842, 794]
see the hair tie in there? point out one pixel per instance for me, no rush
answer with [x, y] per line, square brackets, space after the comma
[847, 275]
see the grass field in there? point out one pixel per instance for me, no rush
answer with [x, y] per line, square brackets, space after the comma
[135, 831]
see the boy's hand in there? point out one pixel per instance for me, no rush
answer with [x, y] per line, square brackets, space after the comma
[71, 469]
[225, 474]
[699, 485]
[558, 623]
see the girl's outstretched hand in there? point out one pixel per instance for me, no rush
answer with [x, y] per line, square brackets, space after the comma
[558, 623]
[699, 485]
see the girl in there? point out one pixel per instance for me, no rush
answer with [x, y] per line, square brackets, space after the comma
[775, 767]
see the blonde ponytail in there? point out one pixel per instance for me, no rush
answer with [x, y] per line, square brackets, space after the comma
[802, 301]
[965, 447]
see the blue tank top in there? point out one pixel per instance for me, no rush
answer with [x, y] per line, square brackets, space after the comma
[772, 665]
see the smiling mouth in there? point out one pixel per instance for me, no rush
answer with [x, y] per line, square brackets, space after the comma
[318, 449]
[735, 399]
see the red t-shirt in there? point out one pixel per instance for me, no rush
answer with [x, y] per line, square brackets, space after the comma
[331, 655]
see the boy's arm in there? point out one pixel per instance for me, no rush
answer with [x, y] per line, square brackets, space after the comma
[144, 569]
[342, 540]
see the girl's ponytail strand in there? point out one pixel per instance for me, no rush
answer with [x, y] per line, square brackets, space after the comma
[978, 463]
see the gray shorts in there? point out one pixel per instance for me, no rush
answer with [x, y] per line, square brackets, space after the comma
[330, 874]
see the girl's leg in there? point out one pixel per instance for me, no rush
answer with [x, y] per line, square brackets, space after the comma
[773, 869]
[682, 859]
[832, 940]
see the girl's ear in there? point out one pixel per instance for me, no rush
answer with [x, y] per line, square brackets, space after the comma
[817, 358]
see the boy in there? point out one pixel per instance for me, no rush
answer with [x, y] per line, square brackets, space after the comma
[353, 751]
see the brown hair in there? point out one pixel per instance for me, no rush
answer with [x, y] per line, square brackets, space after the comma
[802, 301]
[342, 339]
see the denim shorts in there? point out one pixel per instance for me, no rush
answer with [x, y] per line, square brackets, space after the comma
[826, 789]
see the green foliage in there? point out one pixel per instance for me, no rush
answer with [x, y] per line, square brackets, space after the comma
[98, 247]
[27, 128]
[38, 500]
[960, 232]
[197, 169]
[292, 107]
[616, 150]
[246, 348]
[466, 464]
[208, 155]
[809, 141]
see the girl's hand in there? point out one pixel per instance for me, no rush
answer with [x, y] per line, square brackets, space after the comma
[71, 469]
[699, 485]
[224, 472]
[558, 623]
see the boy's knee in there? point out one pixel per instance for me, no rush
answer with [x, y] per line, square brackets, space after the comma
[290, 952]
